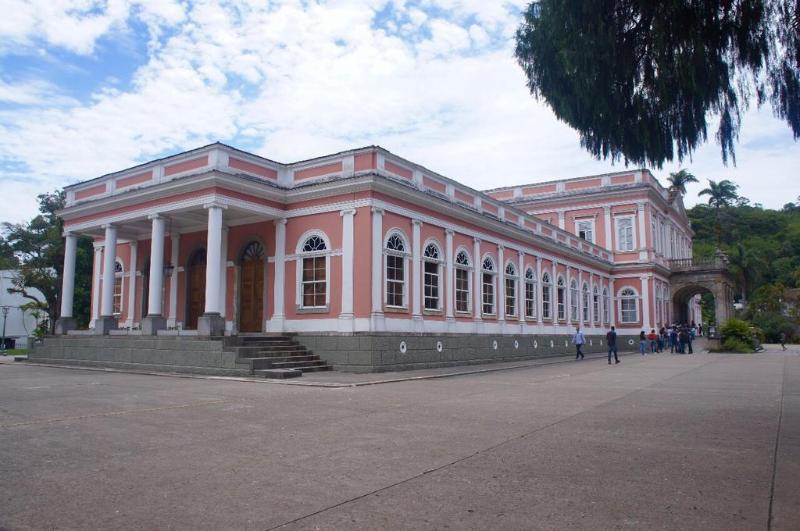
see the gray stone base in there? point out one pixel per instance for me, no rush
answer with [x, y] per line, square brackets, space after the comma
[103, 324]
[380, 352]
[152, 324]
[211, 324]
[65, 324]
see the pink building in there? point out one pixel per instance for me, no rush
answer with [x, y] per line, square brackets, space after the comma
[375, 250]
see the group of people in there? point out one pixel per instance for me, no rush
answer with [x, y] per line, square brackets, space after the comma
[678, 337]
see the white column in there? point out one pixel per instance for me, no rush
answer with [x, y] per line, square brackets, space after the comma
[642, 229]
[580, 298]
[68, 280]
[96, 281]
[377, 264]
[109, 261]
[521, 288]
[416, 274]
[175, 242]
[213, 258]
[223, 273]
[132, 283]
[539, 290]
[561, 223]
[607, 226]
[646, 324]
[612, 298]
[477, 287]
[156, 287]
[568, 298]
[450, 276]
[591, 299]
[554, 292]
[280, 273]
[501, 283]
[348, 257]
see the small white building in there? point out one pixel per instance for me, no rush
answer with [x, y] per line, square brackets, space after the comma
[19, 324]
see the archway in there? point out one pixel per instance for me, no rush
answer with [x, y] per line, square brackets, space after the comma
[685, 310]
[196, 288]
[251, 288]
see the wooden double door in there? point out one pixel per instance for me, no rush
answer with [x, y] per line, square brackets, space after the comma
[196, 288]
[251, 289]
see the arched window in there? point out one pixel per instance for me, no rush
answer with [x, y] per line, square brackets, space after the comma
[573, 300]
[547, 296]
[487, 284]
[658, 304]
[530, 293]
[119, 272]
[628, 306]
[396, 255]
[511, 289]
[462, 282]
[585, 306]
[561, 298]
[596, 304]
[606, 306]
[432, 263]
[314, 261]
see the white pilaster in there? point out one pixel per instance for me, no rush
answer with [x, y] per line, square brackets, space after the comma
[68, 281]
[416, 269]
[561, 223]
[568, 298]
[377, 267]
[348, 257]
[521, 288]
[642, 231]
[156, 287]
[612, 297]
[450, 284]
[580, 298]
[539, 289]
[96, 282]
[607, 227]
[280, 273]
[213, 259]
[109, 261]
[175, 243]
[132, 284]
[477, 286]
[501, 284]
[554, 292]
[646, 323]
[592, 317]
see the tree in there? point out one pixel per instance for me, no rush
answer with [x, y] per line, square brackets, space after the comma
[640, 80]
[39, 245]
[720, 194]
[679, 180]
[7, 258]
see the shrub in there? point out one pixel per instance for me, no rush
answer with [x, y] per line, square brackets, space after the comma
[732, 344]
[737, 329]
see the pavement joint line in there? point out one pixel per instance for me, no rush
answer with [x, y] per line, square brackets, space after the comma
[111, 414]
[487, 449]
[775, 451]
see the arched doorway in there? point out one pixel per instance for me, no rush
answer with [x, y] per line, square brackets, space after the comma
[251, 288]
[196, 288]
[687, 309]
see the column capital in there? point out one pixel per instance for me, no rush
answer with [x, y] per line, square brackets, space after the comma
[155, 216]
[348, 212]
[133, 243]
[417, 222]
[280, 221]
[476, 240]
[378, 210]
[215, 204]
[449, 232]
[68, 233]
[106, 226]
[640, 206]
[501, 247]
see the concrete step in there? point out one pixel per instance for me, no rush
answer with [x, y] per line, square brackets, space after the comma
[280, 374]
[298, 364]
[316, 368]
[279, 348]
[266, 363]
[273, 354]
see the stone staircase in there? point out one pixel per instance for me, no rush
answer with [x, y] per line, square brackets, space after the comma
[275, 356]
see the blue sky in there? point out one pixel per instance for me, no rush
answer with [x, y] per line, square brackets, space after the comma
[89, 87]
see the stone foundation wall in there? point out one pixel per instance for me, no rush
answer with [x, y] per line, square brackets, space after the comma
[379, 352]
[162, 354]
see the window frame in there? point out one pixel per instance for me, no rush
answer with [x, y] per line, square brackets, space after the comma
[574, 301]
[606, 305]
[438, 262]
[596, 304]
[530, 302]
[547, 289]
[628, 298]
[119, 280]
[561, 298]
[467, 270]
[617, 221]
[301, 257]
[492, 273]
[591, 231]
[586, 314]
[510, 279]
[405, 258]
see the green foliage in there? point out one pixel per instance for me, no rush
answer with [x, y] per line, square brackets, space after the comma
[736, 345]
[772, 324]
[7, 258]
[679, 180]
[737, 329]
[639, 80]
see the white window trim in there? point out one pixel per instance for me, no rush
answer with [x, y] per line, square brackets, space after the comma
[591, 223]
[469, 269]
[555, 299]
[574, 301]
[635, 300]
[121, 275]
[532, 281]
[515, 278]
[300, 255]
[439, 274]
[596, 304]
[606, 299]
[406, 255]
[550, 316]
[617, 220]
[586, 301]
[494, 275]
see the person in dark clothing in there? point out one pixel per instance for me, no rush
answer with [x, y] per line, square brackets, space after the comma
[642, 342]
[579, 339]
[783, 341]
[683, 340]
[611, 341]
[673, 340]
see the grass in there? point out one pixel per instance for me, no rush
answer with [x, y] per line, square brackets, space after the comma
[15, 352]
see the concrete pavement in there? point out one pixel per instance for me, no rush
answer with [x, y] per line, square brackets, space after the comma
[666, 441]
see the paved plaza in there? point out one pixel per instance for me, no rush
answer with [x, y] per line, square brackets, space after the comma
[659, 442]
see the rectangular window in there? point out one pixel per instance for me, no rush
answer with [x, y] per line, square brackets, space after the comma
[488, 294]
[585, 230]
[530, 299]
[573, 304]
[596, 306]
[562, 311]
[511, 297]
[314, 282]
[607, 309]
[625, 233]
[546, 294]
[117, 296]
[462, 290]
[585, 306]
[630, 313]
[431, 286]
[395, 280]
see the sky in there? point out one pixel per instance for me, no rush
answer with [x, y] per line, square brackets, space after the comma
[89, 87]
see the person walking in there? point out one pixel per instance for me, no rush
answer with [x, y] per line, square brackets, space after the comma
[579, 341]
[653, 339]
[783, 341]
[611, 341]
[642, 343]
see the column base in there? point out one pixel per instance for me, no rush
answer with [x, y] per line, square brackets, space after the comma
[211, 324]
[152, 324]
[103, 324]
[65, 324]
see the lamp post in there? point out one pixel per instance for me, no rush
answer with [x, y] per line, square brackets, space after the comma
[5, 310]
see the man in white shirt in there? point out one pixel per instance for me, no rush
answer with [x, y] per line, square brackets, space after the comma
[579, 341]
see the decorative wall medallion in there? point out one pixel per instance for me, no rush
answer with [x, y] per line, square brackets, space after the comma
[591, 342]
[439, 346]
[403, 347]
[535, 344]
[494, 344]
[516, 344]
[552, 344]
[630, 341]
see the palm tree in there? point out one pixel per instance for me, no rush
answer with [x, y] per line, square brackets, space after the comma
[679, 180]
[721, 195]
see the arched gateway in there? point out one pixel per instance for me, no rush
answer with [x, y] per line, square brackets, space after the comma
[693, 276]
